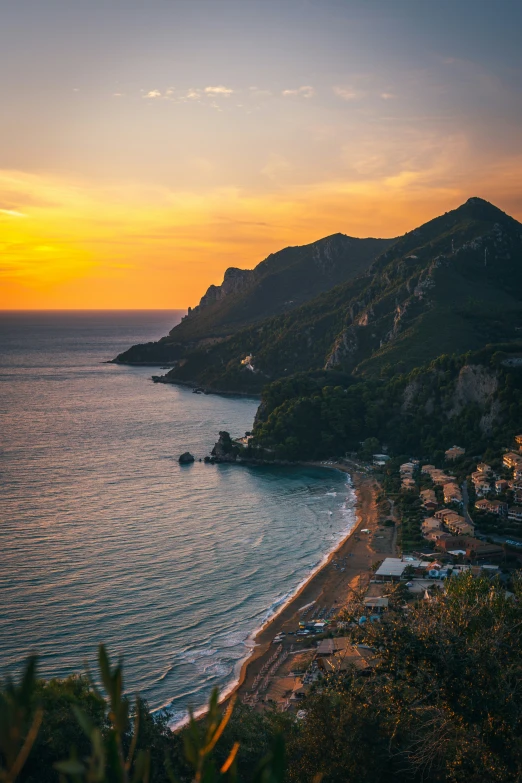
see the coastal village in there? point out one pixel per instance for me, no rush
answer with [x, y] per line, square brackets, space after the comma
[418, 526]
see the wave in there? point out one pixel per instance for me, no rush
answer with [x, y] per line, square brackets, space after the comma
[277, 606]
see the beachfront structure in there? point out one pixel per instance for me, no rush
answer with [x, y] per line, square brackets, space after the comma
[341, 655]
[376, 604]
[393, 568]
[454, 453]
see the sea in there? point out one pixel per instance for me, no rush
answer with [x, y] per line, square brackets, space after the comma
[104, 537]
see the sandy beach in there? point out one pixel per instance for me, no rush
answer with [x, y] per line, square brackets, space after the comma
[329, 587]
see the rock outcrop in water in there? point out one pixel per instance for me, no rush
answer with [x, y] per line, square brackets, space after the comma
[186, 458]
[224, 450]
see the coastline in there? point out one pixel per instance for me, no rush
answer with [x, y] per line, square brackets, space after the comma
[324, 586]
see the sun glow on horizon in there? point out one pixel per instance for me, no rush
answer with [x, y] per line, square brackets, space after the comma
[134, 181]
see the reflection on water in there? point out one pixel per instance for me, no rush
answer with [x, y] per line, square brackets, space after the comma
[104, 537]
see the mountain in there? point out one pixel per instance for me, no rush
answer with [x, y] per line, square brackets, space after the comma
[279, 284]
[450, 286]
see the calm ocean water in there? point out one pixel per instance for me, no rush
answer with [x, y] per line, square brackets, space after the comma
[104, 537]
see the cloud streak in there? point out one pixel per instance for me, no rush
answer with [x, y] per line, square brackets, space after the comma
[306, 91]
[348, 93]
[219, 90]
[14, 213]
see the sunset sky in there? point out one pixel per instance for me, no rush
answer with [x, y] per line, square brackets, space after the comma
[147, 145]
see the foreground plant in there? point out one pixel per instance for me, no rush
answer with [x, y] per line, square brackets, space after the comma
[113, 738]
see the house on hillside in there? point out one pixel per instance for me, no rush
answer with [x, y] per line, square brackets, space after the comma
[512, 460]
[452, 493]
[518, 440]
[515, 513]
[501, 486]
[492, 506]
[454, 453]
[482, 467]
[443, 513]
[481, 483]
[429, 499]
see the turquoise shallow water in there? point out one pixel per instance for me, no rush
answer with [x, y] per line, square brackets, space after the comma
[104, 537]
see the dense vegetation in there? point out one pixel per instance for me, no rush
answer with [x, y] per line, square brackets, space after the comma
[443, 704]
[474, 400]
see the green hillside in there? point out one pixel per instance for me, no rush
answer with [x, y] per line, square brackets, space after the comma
[472, 399]
[278, 285]
[451, 286]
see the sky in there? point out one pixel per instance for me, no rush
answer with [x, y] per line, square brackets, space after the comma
[147, 145]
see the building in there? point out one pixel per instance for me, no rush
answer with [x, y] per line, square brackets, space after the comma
[482, 467]
[492, 506]
[481, 483]
[428, 469]
[429, 499]
[376, 604]
[512, 460]
[435, 535]
[442, 513]
[393, 568]
[461, 528]
[454, 453]
[515, 513]
[430, 524]
[344, 658]
[518, 440]
[501, 486]
[452, 493]
[475, 550]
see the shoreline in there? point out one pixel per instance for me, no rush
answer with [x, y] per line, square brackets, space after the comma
[323, 584]
[314, 587]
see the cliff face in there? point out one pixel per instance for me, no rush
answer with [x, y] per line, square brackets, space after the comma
[235, 280]
[278, 285]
